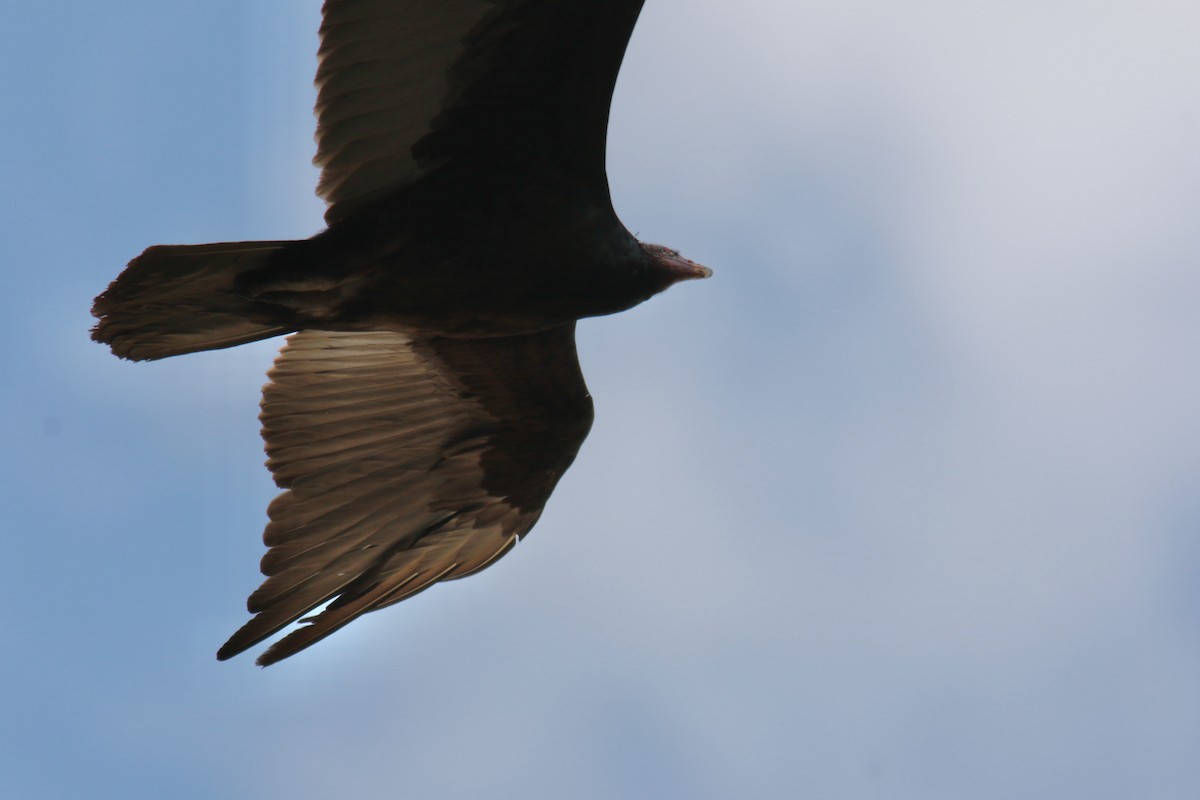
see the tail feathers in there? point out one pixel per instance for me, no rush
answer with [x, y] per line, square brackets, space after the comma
[176, 299]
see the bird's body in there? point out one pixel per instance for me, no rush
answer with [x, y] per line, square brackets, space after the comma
[482, 271]
[430, 397]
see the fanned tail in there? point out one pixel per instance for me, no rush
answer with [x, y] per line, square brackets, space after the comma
[176, 299]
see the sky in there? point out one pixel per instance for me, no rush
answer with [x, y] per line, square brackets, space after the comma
[902, 503]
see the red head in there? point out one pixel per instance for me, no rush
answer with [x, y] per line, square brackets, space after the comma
[609, 289]
[673, 267]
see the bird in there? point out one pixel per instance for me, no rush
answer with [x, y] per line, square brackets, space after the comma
[428, 397]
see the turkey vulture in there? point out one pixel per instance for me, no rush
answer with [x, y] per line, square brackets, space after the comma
[429, 396]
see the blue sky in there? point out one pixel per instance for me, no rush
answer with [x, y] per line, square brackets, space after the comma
[900, 504]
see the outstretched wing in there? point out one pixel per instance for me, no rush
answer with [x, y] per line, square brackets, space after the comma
[506, 89]
[406, 462]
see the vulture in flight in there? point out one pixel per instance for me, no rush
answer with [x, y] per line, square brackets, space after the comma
[429, 396]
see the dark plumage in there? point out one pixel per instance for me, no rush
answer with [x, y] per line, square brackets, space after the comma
[430, 397]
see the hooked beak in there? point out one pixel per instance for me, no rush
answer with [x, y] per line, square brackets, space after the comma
[681, 269]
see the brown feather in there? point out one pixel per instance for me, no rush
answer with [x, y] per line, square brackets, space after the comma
[450, 458]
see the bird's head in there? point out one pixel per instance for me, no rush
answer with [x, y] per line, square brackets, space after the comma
[650, 271]
[668, 267]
